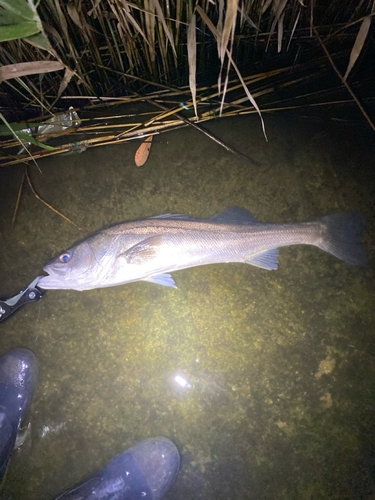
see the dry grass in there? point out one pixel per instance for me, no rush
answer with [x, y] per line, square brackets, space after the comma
[168, 42]
[116, 52]
[114, 48]
[119, 126]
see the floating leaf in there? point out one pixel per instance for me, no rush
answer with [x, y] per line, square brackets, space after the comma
[143, 151]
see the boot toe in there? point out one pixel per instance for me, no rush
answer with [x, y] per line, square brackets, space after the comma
[160, 461]
[19, 370]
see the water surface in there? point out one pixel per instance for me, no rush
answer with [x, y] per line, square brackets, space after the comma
[279, 366]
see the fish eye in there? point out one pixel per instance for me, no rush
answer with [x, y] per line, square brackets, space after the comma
[65, 257]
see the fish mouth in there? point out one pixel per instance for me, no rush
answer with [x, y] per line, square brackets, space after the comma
[62, 272]
[54, 280]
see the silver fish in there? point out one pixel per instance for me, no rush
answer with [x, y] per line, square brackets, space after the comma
[150, 249]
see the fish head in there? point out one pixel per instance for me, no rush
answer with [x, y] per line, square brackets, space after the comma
[74, 269]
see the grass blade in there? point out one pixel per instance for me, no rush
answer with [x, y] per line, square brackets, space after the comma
[192, 57]
[65, 82]
[164, 24]
[28, 68]
[358, 44]
[229, 27]
[29, 138]
[14, 133]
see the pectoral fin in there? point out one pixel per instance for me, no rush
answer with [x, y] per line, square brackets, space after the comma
[162, 279]
[267, 260]
[143, 251]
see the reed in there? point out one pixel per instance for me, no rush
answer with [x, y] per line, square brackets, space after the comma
[107, 54]
[117, 126]
[173, 43]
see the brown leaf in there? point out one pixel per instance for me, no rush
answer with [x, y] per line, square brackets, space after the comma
[161, 18]
[279, 9]
[64, 83]
[74, 15]
[54, 33]
[28, 68]
[192, 57]
[229, 27]
[216, 34]
[143, 151]
[280, 32]
[62, 19]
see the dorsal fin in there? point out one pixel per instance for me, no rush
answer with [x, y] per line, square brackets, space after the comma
[231, 215]
[168, 216]
[234, 215]
[176, 216]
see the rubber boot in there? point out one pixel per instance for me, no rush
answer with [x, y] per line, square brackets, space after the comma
[146, 471]
[19, 376]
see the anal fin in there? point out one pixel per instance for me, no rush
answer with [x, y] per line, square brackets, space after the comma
[266, 260]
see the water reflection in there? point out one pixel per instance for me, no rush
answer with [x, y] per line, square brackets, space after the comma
[182, 383]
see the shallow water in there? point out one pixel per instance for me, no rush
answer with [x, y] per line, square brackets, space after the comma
[279, 401]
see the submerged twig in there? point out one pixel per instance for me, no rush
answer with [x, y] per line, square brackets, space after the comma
[47, 204]
[116, 129]
[189, 122]
[19, 196]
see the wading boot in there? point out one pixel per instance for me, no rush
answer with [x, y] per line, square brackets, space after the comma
[146, 471]
[19, 376]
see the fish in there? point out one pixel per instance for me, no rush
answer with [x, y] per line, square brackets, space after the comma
[150, 249]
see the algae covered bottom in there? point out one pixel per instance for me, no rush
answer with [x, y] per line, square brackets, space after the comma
[264, 380]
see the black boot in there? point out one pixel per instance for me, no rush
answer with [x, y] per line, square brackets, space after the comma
[19, 375]
[146, 471]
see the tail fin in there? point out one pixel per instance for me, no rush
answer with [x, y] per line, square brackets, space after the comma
[341, 236]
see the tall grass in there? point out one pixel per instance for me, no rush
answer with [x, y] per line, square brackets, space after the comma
[105, 45]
